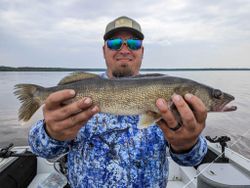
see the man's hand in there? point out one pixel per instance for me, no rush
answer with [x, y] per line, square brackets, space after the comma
[64, 121]
[193, 122]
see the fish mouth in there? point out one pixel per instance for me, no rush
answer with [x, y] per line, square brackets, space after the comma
[225, 107]
[228, 108]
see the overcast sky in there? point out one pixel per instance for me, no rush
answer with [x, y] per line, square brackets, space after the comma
[178, 33]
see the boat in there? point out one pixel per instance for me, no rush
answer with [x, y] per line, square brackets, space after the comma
[221, 167]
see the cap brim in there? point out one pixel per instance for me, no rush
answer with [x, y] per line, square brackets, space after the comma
[135, 32]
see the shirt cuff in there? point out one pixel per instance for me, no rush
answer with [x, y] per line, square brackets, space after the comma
[192, 157]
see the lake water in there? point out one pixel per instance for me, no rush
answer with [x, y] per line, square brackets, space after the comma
[234, 124]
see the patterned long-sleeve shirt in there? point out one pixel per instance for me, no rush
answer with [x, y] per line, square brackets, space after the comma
[110, 151]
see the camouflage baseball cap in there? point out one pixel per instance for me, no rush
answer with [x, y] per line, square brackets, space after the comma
[123, 23]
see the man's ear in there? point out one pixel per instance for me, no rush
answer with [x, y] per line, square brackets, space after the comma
[103, 51]
[142, 53]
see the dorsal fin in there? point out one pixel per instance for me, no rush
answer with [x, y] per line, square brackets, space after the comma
[148, 75]
[141, 76]
[77, 76]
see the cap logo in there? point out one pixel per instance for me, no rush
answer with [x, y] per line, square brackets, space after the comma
[123, 22]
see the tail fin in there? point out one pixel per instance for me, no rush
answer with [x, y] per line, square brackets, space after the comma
[28, 94]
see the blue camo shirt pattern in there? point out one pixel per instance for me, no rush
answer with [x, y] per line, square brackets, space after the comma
[110, 151]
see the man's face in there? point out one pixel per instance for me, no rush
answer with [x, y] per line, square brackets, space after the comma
[123, 62]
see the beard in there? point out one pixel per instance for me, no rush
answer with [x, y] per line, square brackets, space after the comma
[124, 71]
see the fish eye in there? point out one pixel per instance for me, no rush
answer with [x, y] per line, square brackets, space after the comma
[217, 93]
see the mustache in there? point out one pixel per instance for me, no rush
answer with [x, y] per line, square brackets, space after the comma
[128, 56]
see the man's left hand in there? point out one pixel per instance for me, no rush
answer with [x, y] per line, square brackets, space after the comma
[193, 121]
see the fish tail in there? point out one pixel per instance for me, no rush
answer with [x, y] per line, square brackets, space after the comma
[29, 96]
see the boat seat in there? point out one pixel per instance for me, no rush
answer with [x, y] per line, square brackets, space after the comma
[20, 173]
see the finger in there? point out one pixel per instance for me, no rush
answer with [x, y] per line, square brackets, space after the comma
[198, 107]
[80, 118]
[169, 134]
[185, 112]
[167, 115]
[55, 99]
[74, 108]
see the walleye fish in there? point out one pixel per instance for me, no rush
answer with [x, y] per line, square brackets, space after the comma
[124, 96]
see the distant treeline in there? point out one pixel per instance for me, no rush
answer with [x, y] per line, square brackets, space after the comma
[46, 69]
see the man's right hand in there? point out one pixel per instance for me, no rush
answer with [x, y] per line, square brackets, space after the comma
[62, 122]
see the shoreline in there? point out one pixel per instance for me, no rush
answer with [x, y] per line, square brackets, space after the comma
[59, 69]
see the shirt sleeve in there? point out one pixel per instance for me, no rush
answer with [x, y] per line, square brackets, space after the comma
[193, 157]
[43, 145]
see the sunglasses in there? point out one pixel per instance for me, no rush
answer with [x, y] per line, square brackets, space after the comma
[116, 44]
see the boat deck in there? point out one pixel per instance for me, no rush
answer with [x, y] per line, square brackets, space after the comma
[179, 176]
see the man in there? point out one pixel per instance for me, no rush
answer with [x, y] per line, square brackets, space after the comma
[107, 150]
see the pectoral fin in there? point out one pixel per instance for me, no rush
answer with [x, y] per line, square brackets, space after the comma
[148, 119]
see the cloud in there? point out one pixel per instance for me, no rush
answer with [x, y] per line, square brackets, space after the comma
[198, 21]
[72, 27]
[86, 30]
[161, 20]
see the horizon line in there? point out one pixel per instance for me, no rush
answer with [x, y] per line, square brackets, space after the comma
[159, 68]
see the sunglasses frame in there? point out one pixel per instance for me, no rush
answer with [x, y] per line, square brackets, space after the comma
[124, 42]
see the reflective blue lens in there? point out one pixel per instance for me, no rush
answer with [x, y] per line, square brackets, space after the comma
[114, 44]
[134, 44]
